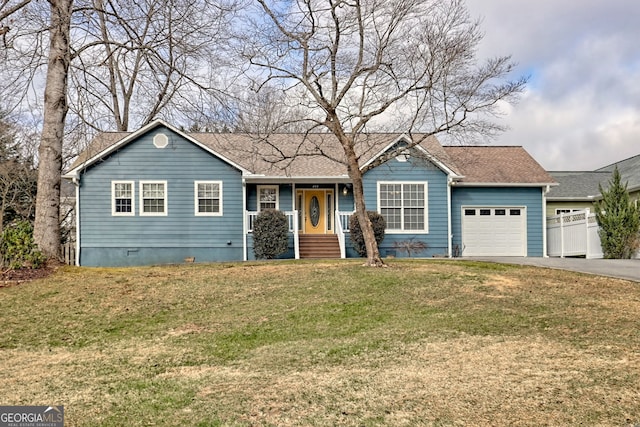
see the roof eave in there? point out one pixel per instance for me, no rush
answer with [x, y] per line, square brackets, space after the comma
[327, 179]
[573, 198]
[504, 184]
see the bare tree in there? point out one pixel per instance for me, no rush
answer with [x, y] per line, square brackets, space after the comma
[144, 58]
[370, 65]
[109, 63]
[46, 230]
[7, 9]
[17, 177]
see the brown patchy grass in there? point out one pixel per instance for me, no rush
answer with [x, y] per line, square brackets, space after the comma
[433, 342]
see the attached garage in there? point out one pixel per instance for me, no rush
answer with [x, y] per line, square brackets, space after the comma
[494, 231]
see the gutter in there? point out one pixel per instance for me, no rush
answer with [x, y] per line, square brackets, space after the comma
[503, 184]
[450, 234]
[545, 249]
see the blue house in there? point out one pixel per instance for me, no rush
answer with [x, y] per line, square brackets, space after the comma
[162, 195]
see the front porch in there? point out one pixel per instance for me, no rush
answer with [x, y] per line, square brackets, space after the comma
[329, 244]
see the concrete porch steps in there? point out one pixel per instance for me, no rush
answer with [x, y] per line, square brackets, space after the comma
[319, 246]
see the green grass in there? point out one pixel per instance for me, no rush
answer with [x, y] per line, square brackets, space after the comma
[431, 342]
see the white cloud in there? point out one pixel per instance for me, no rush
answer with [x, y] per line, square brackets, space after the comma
[582, 106]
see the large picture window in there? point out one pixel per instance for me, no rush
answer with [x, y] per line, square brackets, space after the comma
[404, 205]
[208, 198]
[267, 197]
[122, 196]
[153, 198]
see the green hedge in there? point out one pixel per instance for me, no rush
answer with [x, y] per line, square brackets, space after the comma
[270, 234]
[357, 238]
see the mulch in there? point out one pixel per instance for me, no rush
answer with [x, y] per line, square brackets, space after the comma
[22, 275]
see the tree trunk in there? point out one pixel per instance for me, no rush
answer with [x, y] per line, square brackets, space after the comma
[46, 231]
[373, 254]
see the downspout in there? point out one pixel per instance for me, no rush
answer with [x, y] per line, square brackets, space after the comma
[545, 249]
[244, 219]
[450, 238]
[76, 182]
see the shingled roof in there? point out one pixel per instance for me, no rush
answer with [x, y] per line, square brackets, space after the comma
[320, 155]
[629, 171]
[497, 165]
[277, 155]
[578, 185]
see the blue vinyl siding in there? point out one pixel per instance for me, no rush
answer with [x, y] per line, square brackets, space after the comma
[139, 240]
[285, 201]
[529, 197]
[414, 170]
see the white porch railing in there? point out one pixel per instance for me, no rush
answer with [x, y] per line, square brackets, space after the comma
[573, 234]
[292, 218]
[342, 227]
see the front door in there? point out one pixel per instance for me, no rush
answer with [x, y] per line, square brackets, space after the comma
[315, 212]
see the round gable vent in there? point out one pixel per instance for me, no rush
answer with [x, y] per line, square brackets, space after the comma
[160, 140]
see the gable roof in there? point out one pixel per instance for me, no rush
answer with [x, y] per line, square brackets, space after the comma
[496, 165]
[305, 155]
[319, 155]
[578, 185]
[106, 143]
[310, 155]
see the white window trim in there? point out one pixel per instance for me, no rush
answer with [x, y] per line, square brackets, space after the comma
[426, 207]
[166, 199]
[569, 210]
[113, 199]
[195, 198]
[275, 187]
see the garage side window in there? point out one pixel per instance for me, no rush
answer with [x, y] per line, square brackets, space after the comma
[403, 205]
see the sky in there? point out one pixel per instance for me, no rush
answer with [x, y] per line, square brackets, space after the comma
[581, 107]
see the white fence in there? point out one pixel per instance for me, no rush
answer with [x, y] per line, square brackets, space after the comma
[573, 234]
[342, 226]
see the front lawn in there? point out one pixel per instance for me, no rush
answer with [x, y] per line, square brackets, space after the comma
[324, 343]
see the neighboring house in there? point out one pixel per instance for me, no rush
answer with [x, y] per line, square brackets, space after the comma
[579, 190]
[575, 191]
[160, 195]
[629, 173]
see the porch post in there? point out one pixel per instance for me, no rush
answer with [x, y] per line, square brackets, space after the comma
[449, 234]
[545, 249]
[244, 219]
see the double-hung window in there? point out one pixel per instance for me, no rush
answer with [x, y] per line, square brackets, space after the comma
[267, 197]
[153, 198]
[122, 196]
[404, 205]
[208, 198]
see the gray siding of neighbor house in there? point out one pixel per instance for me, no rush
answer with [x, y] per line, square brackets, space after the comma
[108, 240]
[529, 197]
[414, 170]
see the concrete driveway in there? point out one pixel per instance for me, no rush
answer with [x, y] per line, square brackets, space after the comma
[628, 269]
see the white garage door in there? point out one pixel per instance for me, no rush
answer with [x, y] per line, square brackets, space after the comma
[494, 231]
